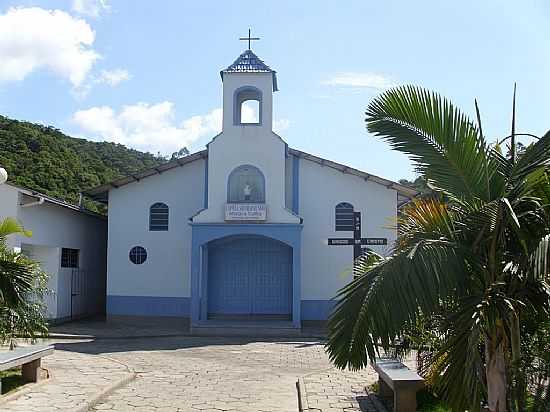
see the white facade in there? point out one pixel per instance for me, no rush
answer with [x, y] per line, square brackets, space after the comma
[203, 264]
[165, 274]
[76, 291]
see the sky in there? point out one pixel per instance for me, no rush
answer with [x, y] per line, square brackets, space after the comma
[146, 73]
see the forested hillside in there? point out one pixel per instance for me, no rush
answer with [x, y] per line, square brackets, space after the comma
[44, 159]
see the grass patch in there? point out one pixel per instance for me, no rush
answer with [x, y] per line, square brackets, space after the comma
[427, 402]
[11, 379]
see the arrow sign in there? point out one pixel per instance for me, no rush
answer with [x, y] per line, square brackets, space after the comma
[366, 241]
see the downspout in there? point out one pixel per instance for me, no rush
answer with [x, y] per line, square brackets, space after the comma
[36, 203]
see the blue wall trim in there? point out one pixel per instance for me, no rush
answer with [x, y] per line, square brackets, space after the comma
[206, 183]
[296, 185]
[202, 233]
[317, 309]
[147, 306]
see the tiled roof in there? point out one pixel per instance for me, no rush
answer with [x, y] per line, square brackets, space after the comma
[100, 193]
[248, 62]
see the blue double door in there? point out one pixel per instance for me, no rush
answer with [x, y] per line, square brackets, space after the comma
[249, 277]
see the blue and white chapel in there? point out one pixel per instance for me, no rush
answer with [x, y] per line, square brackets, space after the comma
[237, 233]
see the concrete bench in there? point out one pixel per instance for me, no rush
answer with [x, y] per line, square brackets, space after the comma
[28, 357]
[397, 381]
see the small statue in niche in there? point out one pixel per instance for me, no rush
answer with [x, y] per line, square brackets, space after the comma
[247, 190]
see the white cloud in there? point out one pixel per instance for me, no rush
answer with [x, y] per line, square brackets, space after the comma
[34, 38]
[113, 77]
[366, 80]
[92, 8]
[149, 127]
[153, 127]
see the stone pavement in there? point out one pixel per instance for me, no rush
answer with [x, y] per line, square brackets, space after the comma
[335, 390]
[118, 327]
[193, 374]
[75, 379]
[215, 375]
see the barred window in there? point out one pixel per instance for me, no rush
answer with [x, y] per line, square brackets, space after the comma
[158, 217]
[138, 255]
[344, 217]
[69, 258]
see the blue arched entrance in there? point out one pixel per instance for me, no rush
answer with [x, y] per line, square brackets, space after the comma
[249, 277]
[283, 238]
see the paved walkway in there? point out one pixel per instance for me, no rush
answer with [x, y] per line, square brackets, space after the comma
[75, 379]
[339, 391]
[215, 375]
[186, 373]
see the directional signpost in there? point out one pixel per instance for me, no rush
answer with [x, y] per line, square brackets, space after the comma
[357, 241]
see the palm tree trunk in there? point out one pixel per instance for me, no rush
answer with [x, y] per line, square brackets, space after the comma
[517, 372]
[495, 369]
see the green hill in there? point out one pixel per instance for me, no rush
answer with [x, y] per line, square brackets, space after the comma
[44, 159]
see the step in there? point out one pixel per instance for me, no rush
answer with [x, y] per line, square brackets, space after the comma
[246, 328]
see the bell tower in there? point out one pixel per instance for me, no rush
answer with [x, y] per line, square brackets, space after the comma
[246, 168]
[248, 86]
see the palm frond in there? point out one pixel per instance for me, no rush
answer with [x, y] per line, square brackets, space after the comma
[16, 277]
[10, 226]
[445, 145]
[373, 309]
[536, 156]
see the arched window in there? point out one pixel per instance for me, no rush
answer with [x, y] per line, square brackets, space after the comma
[248, 106]
[158, 217]
[344, 217]
[246, 185]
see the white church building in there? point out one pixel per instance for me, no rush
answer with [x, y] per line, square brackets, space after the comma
[238, 232]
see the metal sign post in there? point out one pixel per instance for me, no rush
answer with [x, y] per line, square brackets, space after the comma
[357, 241]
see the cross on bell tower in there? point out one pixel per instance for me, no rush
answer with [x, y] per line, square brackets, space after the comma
[249, 39]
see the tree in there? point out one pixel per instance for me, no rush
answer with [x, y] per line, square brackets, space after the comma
[44, 159]
[180, 153]
[22, 289]
[476, 261]
[418, 184]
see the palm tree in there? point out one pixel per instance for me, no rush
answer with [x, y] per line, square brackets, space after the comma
[475, 261]
[22, 289]
[16, 276]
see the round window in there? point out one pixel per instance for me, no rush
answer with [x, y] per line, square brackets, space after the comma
[138, 255]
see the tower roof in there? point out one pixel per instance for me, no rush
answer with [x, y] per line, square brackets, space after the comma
[248, 62]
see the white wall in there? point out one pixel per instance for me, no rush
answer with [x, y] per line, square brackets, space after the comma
[261, 81]
[166, 271]
[247, 145]
[8, 207]
[49, 258]
[325, 269]
[59, 227]
[54, 227]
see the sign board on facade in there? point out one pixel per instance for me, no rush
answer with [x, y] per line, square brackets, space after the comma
[245, 211]
[370, 241]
